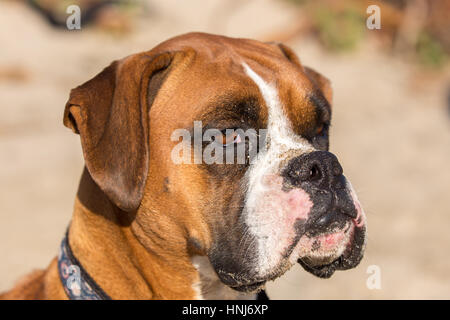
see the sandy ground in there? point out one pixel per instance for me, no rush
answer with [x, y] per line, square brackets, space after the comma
[391, 132]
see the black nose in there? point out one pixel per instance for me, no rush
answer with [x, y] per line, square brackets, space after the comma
[320, 175]
[319, 168]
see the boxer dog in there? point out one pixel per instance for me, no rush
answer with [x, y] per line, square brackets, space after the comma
[146, 227]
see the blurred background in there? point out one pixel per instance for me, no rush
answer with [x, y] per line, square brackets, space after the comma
[390, 130]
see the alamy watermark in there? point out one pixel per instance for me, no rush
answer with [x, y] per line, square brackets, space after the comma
[373, 282]
[374, 20]
[73, 21]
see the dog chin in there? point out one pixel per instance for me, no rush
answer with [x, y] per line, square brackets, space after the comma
[342, 255]
[250, 288]
[256, 283]
[322, 271]
[250, 285]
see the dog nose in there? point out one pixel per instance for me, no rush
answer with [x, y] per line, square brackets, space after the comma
[320, 173]
[319, 168]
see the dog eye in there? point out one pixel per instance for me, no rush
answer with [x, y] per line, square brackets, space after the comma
[320, 138]
[320, 129]
[228, 137]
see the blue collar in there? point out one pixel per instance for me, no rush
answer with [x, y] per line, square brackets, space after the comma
[76, 282]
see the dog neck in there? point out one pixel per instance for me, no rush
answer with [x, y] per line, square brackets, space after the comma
[120, 257]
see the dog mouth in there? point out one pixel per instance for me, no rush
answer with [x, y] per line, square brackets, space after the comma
[319, 249]
[344, 254]
[322, 264]
[319, 254]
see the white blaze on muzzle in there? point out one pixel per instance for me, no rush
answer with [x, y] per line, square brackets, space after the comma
[270, 213]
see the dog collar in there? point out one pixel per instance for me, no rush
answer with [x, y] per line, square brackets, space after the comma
[76, 282]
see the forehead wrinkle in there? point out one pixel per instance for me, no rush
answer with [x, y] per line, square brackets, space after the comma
[294, 90]
[301, 112]
[243, 108]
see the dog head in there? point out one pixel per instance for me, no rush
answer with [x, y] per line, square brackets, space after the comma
[283, 199]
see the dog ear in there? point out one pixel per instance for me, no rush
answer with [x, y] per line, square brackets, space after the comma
[110, 112]
[321, 82]
[290, 54]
